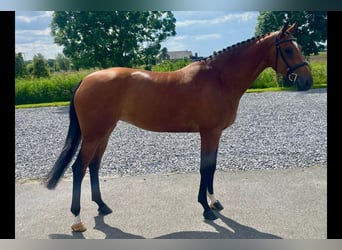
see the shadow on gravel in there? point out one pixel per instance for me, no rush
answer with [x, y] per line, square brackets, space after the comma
[234, 230]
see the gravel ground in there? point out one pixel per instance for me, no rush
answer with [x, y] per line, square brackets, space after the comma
[272, 130]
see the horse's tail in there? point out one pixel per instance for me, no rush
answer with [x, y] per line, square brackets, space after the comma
[70, 147]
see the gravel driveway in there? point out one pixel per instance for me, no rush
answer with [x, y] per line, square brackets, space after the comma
[272, 130]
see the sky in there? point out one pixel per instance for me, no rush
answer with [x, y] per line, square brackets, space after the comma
[200, 32]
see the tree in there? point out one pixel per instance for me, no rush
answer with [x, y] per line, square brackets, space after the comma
[20, 67]
[115, 38]
[51, 63]
[62, 62]
[311, 31]
[40, 66]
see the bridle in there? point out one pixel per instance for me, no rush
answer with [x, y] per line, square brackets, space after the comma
[291, 75]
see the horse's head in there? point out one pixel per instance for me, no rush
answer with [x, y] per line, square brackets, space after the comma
[289, 60]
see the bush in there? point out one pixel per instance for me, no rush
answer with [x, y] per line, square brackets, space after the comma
[168, 65]
[49, 89]
[319, 73]
[267, 79]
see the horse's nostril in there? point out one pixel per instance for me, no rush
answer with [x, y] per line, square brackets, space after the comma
[306, 85]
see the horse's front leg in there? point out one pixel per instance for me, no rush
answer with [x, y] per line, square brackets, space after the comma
[209, 147]
[214, 203]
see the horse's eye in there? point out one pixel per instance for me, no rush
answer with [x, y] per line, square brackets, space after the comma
[288, 50]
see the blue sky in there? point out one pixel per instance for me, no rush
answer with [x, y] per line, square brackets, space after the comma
[197, 31]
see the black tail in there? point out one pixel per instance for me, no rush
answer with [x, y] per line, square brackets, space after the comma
[70, 147]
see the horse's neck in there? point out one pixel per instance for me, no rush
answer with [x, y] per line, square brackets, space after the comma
[239, 67]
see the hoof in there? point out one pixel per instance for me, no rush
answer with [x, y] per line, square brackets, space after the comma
[104, 210]
[209, 215]
[216, 206]
[78, 227]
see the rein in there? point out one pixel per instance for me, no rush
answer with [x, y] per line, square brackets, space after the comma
[291, 75]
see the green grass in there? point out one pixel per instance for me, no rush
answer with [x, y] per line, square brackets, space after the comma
[39, 105]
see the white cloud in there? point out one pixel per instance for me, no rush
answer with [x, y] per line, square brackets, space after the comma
[175, 43]
[208, 36]
[184, 42]
[246, 16]
[48, 50]
[207, 31]
[29, 19]
[179, 38]
[44, 32]
[240, 17]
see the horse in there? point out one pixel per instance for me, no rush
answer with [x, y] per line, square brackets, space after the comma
[202, 97]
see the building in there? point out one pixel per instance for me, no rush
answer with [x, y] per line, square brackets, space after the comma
[174, 55]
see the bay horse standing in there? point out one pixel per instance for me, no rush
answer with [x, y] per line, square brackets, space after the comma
[201, 97]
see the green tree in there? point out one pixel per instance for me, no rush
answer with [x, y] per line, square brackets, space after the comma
[29, 68]
[40, 66]
[62, 62]
[311, 30]
[52, 64]
[112, 38]
[20, 67]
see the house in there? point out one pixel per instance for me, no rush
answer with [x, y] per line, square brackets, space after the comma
[174, 55]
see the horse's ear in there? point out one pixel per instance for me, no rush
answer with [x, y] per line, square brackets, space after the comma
[284, 29]
[292, 28]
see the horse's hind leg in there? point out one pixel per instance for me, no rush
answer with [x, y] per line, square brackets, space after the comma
[78, 175]
[79, 168]
[94, 167]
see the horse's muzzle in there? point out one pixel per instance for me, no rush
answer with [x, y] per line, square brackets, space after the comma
[303, 83]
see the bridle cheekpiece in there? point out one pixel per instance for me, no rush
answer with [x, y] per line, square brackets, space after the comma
[291, 75]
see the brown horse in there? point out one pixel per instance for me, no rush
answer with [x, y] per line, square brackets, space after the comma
[201, 97]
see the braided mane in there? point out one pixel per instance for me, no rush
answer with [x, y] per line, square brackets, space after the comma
[229, 48]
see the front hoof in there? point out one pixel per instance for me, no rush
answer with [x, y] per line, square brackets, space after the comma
[209, 215]
[104, 210]
[216, 206]
[78, 227]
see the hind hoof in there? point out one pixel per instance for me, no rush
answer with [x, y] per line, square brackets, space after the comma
[216, 206]
[78, 227]
[209, 215]
[104, 210]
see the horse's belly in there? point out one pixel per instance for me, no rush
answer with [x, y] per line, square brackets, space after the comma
[161, 121]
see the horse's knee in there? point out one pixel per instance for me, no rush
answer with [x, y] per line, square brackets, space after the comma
[208, 160]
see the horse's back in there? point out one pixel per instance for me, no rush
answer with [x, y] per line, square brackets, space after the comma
[118, 85]
[137, 96]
